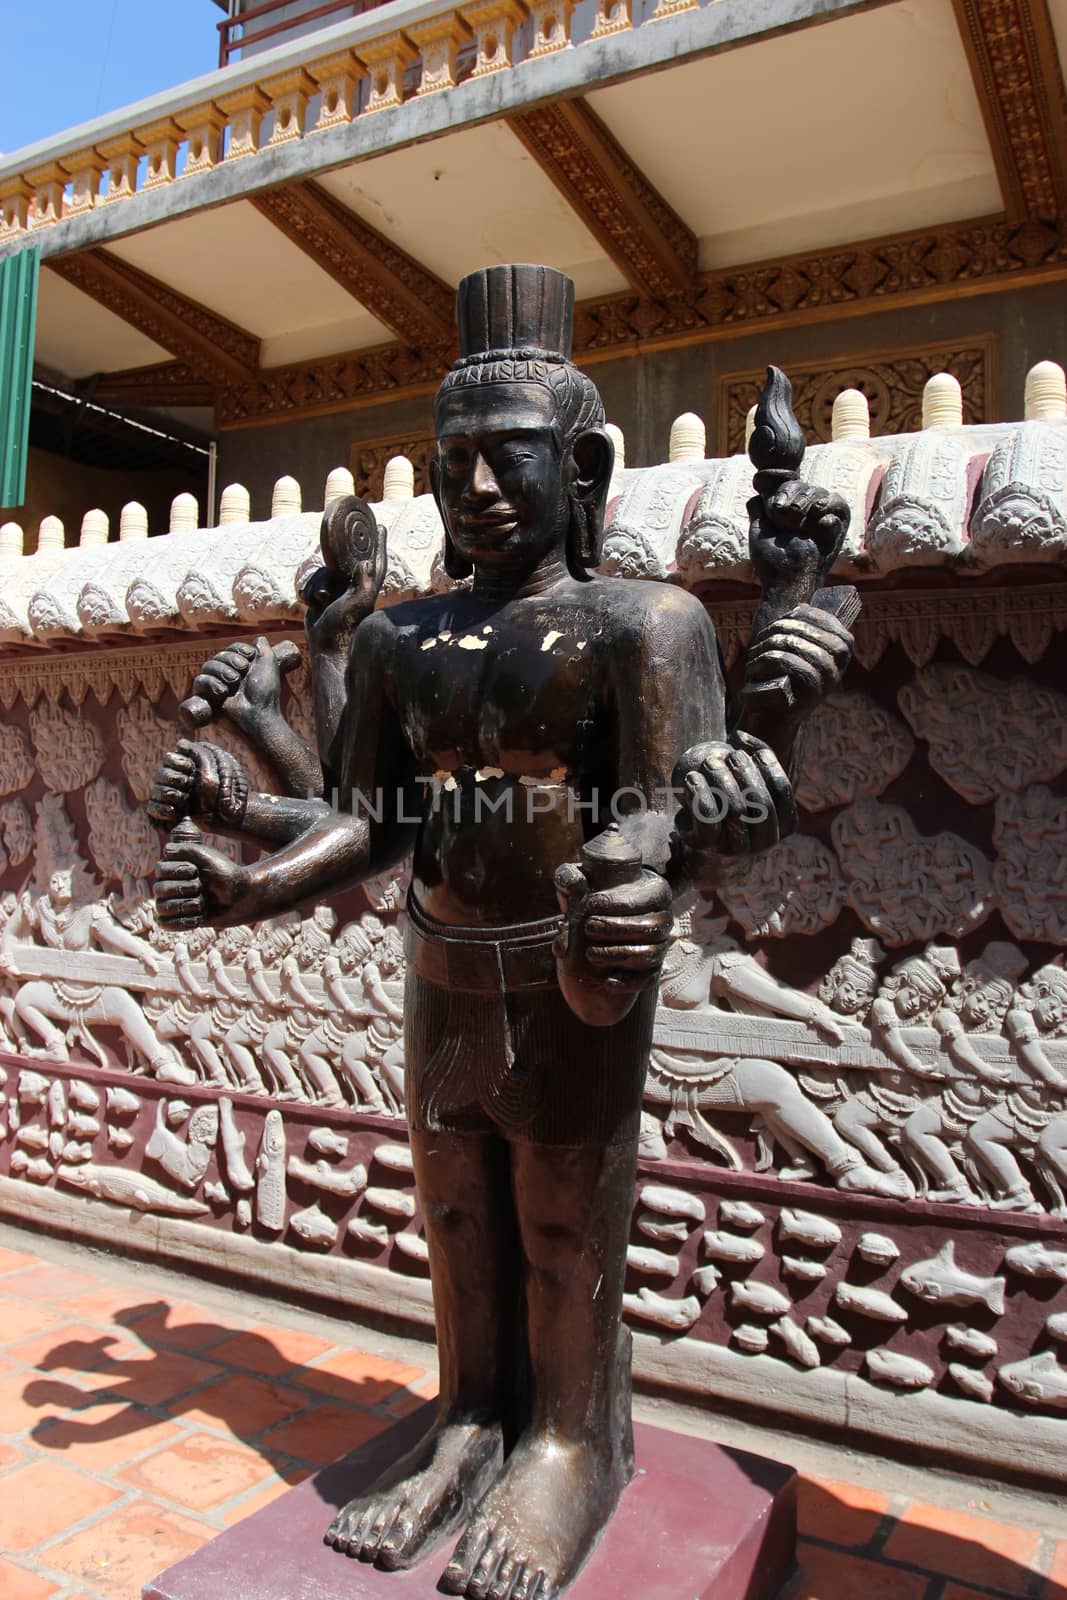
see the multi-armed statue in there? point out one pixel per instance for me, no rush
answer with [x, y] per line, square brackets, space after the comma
[563, 740]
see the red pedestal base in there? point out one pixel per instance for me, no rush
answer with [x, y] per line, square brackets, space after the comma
[699, 1522]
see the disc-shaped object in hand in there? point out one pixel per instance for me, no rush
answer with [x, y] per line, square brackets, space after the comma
[349, 535]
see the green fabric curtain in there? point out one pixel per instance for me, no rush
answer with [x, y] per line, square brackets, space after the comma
[18, 322]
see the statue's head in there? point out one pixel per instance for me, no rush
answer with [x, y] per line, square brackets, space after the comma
[523, 460]
[61, 887]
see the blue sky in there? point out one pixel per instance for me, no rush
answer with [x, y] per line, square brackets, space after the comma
[68, 60]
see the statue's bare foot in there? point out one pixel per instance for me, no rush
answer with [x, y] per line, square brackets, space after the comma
[423, 1496]
[861, 1179]
[538, 1523]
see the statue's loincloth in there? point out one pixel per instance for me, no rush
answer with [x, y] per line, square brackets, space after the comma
[491, 1045]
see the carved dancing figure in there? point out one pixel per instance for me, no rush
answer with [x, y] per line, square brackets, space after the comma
[978, 1004]
[526, 1031]
[78, 1003]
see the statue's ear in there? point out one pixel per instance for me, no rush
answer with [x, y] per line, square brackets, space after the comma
[593, 452]
[593, 457]
[456, 565]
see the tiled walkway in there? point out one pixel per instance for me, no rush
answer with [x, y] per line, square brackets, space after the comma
[140, 1413]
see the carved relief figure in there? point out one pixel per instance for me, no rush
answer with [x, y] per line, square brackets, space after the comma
[80, 1003]
[526, 1043]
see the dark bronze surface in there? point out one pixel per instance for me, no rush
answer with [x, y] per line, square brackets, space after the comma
[545, 739]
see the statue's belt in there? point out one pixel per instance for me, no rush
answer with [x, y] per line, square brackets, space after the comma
[497, 960]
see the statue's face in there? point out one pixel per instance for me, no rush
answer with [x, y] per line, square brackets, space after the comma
[501, 488]
[61, 888]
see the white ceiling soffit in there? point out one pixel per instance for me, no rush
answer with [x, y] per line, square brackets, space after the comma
[815, 138]
[235, 262]
[76, 336]
[469, 200]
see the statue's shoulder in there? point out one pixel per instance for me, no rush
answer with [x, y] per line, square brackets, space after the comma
[640, 603]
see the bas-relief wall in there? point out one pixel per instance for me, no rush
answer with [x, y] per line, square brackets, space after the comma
[644, 393]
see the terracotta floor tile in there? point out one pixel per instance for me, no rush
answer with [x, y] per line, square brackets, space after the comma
[241, 1404]
[830, 1575]
[271, 1351]
[975, 1550]
[840, 1513]
[267, 1495]
[12, 1260]
[70, 1347]
[183, 1326]
[109, 1304]
[19, 1319]
[43, 1499]
[1056, 1588]
[320, 1436]
[120, 1552]
[8, 1456]
[101, 1438]
[23, 1399]
[199, 1471]
[359, 1378]
[158, 1376]
[47, 1282]
[18, 1584]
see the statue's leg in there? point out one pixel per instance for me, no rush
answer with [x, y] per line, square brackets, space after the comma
[33, 1004]
[357, 1074]
[987, 1144]
[116, 1009]
[236, 1045]
[562, 1481]
[465, 1194]
[202, 1046]
[857, 1123]
[922, 1134]
[277, 1057]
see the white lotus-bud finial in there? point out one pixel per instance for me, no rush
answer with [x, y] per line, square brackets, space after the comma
[133, 521]
[851, 416]
[11, 540]
[184, 514]
[1046, 392]
[942, 401]
[339, 483]
[285, 501]
[96, 528]
[618, 439]
[750, 423]
[688, 438]
[398, 482]
[51, 535]
[235, 505]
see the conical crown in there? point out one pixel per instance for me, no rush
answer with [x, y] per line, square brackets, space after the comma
[517, 307]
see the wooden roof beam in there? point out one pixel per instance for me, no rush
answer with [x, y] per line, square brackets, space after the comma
[212, 347]
[1011, 49]
[647, 240]
[410, 300]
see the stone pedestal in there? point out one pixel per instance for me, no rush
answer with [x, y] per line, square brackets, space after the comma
[699, 1522]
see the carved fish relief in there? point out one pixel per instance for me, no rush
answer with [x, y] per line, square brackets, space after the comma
[878, 1249]
[970, 1342]
[728, 1247]
[345, 1181]
[1037, 1381]
[763, 1298]
[130, 1189]
[643, 1258]
[328, 1142]
[869, 1303]
[672, 1202]
[121, 1103]
[270, 1174]
[739, 1214]
[661, 1229]
[397, 1157]
[903, 1372]
[975, 1385]
[233, 1149]
[818, 1232]
[678, 1315]
[706, 1279]
[1037, 1261]
[366, 1232]
[394, 1202]
[828, 1331]
[314, 1227]
[83, 1095]
[798, 1344]
[939, 1281]
[751, 1338]
[800, 1267]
